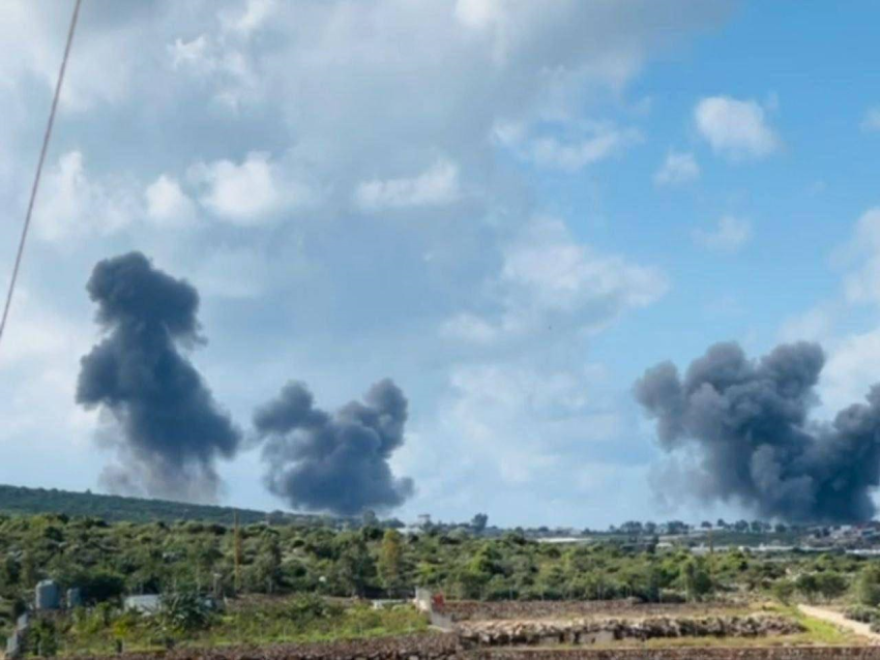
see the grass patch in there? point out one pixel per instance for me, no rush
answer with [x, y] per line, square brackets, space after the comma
[287, 620]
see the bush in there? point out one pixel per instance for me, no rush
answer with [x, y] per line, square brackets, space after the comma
[783, 590]
[867, 586]
[307, 608]
[861, 613]
[183, 612]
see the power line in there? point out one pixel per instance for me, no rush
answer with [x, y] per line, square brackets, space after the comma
[35, 187]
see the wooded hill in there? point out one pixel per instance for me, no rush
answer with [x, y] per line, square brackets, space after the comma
[113, 508]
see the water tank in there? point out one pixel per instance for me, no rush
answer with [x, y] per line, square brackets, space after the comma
[47, 596]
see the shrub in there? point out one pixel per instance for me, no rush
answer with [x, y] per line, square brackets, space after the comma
[861, 613]
[183, 612]
[867, 586]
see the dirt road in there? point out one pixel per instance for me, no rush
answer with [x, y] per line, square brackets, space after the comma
[841, 621]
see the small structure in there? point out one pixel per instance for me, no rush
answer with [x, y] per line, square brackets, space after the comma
[146, 604]
[423, 599]
[74, 597]
[47, 596]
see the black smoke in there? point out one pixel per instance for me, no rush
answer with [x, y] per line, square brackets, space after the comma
[334, 462]
[748, 422]
[167, 429]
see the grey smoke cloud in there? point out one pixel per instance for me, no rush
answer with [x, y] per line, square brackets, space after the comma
[334, 462]
[168, 431]
[748, 421]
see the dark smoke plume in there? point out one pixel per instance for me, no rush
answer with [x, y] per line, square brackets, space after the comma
[748, 422]
[336, 463]
[168, 430]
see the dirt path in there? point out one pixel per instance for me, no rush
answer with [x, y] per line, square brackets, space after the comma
[841, 621]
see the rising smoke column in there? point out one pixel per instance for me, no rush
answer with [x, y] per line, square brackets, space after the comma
[167, 430]
[339, 462]
[748, 422]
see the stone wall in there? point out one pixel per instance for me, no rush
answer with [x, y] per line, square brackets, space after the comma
[472, 610]
[775, 653]
[438, 647]
[595, 630]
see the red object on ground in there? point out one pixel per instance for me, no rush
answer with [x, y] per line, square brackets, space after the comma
[438, 601]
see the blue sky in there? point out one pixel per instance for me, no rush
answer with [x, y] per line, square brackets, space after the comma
[512, 212]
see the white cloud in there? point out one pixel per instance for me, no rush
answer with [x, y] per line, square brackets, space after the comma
[568, 152]
[851, 370]
[559, 273]
[478, 14]
[528, 422]
[853, 358]
[816, 324]
[436, 186]
[677, 169]
[167, 204]
[547, 277]
[862, 285]
[871, 120]
[349, 93]
[73, 202]
[40, 357]
[469, 327]
[255, 15]
[729, 235]
[193, 54]
[734, 128]
[250, 193]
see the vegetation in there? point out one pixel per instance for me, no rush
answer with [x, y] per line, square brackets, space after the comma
[113, 508]
[189, 560]
[184, 622]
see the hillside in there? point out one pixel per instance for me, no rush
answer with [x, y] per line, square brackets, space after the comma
[21, 500]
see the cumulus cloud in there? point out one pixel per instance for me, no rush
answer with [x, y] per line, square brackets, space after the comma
[527, 421]
[569, 152]
[337, 106]
[437, 186]
[862, 283]
[249, 193]
[735, 128]
[729, 234]
[548, 278]
[677, 169]
[74, 202]
[167, 204]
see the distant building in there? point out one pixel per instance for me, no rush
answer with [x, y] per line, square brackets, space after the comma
[47, 596]
[424, 520]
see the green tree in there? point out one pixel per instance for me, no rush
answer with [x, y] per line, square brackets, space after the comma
[391, 561]
[867, 586]
[783, 590]
[807, 584]
[697, 582]
[356, 566]
[267, 565]
[831, 584]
